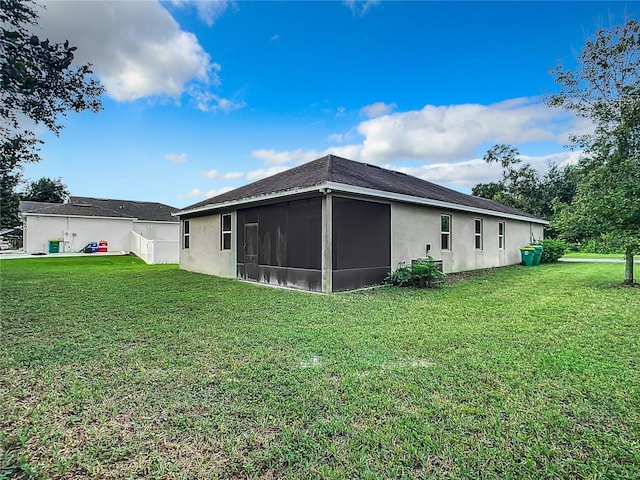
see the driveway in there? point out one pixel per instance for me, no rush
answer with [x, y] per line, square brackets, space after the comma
[597, 260]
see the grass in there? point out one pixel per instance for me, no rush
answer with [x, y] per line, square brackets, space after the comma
[116, 369]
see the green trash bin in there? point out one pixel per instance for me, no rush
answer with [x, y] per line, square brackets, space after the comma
[537, 254]
[54, 246]
[527, 254]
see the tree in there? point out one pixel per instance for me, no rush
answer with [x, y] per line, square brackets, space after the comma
[523, 187]
[605, 88]
[606, 206]
[46, 190]
[39, 84]
[517, 181]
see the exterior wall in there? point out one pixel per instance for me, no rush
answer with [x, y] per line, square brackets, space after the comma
[413, 227]
[160, 242]
[155, 251]
[160, 231]
[75, 232]
[204, 254]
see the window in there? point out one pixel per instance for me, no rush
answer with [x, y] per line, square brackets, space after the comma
[501, 235]
[185, 234]
[225, 231]
[445, 232]
[478, 233]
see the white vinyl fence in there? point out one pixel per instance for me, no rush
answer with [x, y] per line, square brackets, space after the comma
[154, 251]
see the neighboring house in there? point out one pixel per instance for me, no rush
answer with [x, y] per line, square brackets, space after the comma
[145, 228]
[334, 224]
[11, 238]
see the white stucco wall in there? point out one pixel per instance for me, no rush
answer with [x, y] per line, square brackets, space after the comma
[160, 231]
[414, 226]
[204, 254]
[155, 251]
[75, 232]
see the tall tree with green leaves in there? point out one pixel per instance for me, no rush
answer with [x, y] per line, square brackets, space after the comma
[522, 187]
[605, 88]
[46, 190]
[38, 83]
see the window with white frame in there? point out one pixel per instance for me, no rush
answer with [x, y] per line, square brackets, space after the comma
[501, 235]
[185, 234]
[225, 231]
[445, 232]
[478, 233]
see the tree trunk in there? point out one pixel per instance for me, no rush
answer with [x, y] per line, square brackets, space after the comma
[628, 266]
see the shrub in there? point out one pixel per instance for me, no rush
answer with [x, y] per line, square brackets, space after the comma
[553, 250]
[420, 274]
[401, 277]
[603, 244]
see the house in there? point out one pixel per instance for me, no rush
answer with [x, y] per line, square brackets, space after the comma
[145, 228]
[11, 238]
[335, 224]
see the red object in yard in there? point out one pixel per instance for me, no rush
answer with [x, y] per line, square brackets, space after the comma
[103, 246]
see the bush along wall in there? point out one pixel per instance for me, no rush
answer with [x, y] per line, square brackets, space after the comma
[420, 274]
[552, 250]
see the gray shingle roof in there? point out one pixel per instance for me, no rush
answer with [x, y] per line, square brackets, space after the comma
[348, 172]
[152, 211]
[98, 207]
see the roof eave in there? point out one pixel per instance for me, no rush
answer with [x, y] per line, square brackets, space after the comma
[39, 214]
[345, 188]
[243, 201]
[428, 202]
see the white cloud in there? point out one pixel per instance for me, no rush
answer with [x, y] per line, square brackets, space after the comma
[208, 11]
[353, 152]
[447, 141]
[176, 158]
[377, 109]
[442, 134]
[197, 193]
[463, 174]
[207, 101]
[215, 174]
[360, 7]
[447, 133]
[561, 159]
[137, 49]
[466, 174]
[296, 157]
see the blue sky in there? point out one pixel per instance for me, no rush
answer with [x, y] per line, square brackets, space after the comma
[203, 97]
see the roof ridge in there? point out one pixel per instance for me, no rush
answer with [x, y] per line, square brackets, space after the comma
[330, 165]
[89, 199]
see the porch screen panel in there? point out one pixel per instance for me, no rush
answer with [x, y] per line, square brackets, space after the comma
[273, 235]
[361, 234]
[289, 243]
[304, 243]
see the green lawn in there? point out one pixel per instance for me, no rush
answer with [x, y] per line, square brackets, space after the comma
[116, 369]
